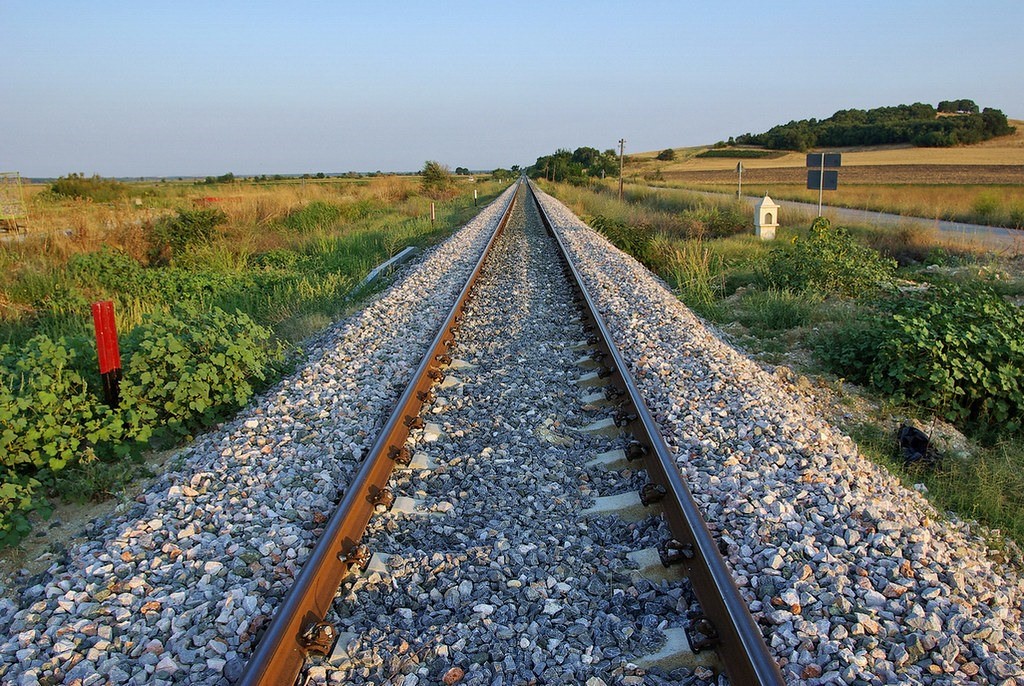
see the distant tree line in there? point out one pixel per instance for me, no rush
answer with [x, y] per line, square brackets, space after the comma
[918, 124]
[576, 166]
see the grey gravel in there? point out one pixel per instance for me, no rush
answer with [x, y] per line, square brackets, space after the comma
[854, 578]
[175, 586]
[511, 585]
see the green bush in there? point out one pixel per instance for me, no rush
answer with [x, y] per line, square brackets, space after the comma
[667, 155]
[48, 421]
[189, 227]
[715, 221]
[106, 268]
[316, 215]
[437, 179]
[954, 351]
[829, 261]
[93, 188]
[189, 367]
[635, 240]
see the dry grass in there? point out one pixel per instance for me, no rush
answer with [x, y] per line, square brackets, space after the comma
[981, 183]
[1003, 151]
[58, 228]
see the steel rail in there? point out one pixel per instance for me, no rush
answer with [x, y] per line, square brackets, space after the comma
[732, 629]
[297, 625]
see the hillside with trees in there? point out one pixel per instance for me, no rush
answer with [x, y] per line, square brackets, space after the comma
[953, 122]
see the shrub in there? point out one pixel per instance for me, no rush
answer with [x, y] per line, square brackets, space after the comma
[189, 227]
[667, 155]
[188, 367]
[316, 215]
[830, 261]
[436, 179]
[48, 421]
[106, 268]
[955, 351]
[93, 188]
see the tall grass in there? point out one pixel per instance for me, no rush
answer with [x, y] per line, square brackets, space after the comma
[987, 486]
[324, 237]
[990, 204]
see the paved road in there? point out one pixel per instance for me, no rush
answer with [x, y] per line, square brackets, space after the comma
[995, 237]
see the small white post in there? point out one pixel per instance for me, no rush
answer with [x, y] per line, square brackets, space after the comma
[474, 197]
[431, 213]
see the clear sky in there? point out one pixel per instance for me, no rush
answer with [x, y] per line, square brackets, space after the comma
[198, 88]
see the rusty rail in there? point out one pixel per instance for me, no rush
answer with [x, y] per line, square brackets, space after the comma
[729, 626]
[298, 625]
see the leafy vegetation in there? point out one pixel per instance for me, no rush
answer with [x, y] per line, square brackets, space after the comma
[954, 351]
[190, 366]
[828, 261]
[93, 188]
[666, 155]
[917, 124]
[49, 420]
[206, 301]
[823, 300]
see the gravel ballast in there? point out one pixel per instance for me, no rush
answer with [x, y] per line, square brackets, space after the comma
[173, 587]
[855, 578]
[497, 574]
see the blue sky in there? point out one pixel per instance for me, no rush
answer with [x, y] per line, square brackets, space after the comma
[197, 88]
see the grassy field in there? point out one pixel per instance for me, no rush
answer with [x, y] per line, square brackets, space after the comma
[981, 183]
[782, 313]
[212, 285]
[360, 223]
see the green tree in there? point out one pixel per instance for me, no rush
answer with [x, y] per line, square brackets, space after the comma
[667, 155]
[436, 179]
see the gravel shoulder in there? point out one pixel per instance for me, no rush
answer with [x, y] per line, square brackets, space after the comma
[854, 578]
[174, 585]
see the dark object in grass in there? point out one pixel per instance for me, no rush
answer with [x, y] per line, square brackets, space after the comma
[916, 447]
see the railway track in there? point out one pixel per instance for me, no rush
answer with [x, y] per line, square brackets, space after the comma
[535, 528]
[852, 577]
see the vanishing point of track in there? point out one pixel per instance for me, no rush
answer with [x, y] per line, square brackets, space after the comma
[722, 623]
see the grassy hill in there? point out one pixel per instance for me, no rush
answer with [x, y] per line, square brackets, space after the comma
[1005, 150]
[988, 178]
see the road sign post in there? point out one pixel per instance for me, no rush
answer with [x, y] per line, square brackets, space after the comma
[818, 178]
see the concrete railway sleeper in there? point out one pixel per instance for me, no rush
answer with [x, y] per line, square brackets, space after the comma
[535, 529]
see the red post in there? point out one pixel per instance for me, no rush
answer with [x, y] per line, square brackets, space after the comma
[107, 350]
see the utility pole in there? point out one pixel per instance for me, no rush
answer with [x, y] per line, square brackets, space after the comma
[622, 145]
